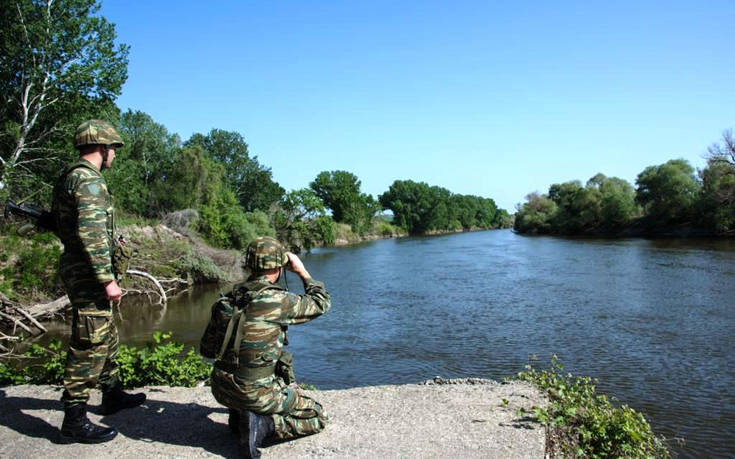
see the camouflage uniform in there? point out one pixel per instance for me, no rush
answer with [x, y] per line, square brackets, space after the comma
[82, 207]
[247, 381]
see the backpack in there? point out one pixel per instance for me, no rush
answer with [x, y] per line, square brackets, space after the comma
[227, 312]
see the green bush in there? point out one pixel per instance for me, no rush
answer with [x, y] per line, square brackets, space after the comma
[30, 266]
[45, 366]
[202, 268]
[586, 424]
[162, 363]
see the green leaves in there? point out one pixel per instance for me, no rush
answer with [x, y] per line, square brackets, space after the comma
[419, 208]
[340, 192]
[668, 192]
[162, 362]
[588, 422]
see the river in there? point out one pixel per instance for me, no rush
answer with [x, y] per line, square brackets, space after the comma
[653, 320]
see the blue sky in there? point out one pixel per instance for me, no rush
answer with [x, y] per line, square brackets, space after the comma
[496, 99]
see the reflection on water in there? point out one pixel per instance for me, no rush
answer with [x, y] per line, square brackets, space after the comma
[652, 319]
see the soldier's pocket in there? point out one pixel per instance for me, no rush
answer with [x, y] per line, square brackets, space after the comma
[90, 331]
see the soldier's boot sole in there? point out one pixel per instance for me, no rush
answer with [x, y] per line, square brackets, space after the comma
[102, 435]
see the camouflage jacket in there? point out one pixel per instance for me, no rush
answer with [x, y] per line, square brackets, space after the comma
[82, 209]
[269, 314]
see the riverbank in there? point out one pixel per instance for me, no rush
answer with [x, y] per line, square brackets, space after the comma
[457, 418]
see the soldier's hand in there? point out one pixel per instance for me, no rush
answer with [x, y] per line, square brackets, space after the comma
[296, 265]
[113, 291]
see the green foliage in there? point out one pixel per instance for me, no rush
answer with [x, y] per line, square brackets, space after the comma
[200, 267]
[340, 192]
[536, 215]
[301, 222]
[717, 205]
[251, 182]
[43, 365]
[144, 165]
[162, 362]
[419, 208]
[603, 204]
[59, 65]
[586, 421]
[668, 192]
[33, 266]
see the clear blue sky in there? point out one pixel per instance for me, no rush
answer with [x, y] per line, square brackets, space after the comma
[496, 99]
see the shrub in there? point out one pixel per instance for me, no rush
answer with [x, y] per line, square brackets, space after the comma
[46, 366]
[32, 267]
[585, 424]
[161, 363]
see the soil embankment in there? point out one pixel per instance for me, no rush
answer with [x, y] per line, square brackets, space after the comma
[458, 418]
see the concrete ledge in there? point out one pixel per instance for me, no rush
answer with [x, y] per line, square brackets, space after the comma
[462, 418]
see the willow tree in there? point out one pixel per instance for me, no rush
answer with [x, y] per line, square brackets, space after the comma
[59, 64]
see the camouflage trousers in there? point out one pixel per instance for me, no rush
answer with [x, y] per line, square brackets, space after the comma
[92, 355]
[294, 414]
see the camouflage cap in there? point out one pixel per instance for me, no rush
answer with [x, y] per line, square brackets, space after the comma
[97, 132]
[265, 253]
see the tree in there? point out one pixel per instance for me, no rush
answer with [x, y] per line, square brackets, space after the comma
[618, 205]
[58, 65]
[718, 185]
[578, 208]
[301, 221]
[724, 152]
[251, 182]
[146, 161]
[340, 192]
[536, 215]
[668, 192]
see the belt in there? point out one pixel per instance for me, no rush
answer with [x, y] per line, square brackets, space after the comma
[245, 373]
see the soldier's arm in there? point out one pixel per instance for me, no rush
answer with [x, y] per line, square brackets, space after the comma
[90, 197]
[309, 306]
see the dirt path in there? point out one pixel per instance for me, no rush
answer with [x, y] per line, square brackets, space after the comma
[462, 419]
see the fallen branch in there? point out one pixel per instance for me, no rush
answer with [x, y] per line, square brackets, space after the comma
[30, 319]
[17, 323]
[39, 310]
[144, 274]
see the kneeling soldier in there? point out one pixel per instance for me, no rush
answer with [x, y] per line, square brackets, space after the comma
[249, 376]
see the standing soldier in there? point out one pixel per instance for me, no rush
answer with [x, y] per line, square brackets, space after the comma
[83, 213]
[252, 371]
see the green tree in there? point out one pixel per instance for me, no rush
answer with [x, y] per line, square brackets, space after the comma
[186, 183]
[411, 204]
[668, 192]
[59, 64]
[718, 185]
[536, 215]
[251, 182]
[340, 192]
[618, 205]
[578, 208]
[146, 161]
[301, 222]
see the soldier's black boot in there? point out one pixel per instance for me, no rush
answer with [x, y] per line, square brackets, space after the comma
[76, 428]
[233, 421]
[114, 399]
[259, 428]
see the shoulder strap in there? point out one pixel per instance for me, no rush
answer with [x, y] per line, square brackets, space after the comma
[78, 164]
[238, 315]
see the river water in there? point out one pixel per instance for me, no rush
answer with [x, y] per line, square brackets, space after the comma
[653, 320]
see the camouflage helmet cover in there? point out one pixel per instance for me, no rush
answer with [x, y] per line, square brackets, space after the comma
[265, 253]
[97, 132]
